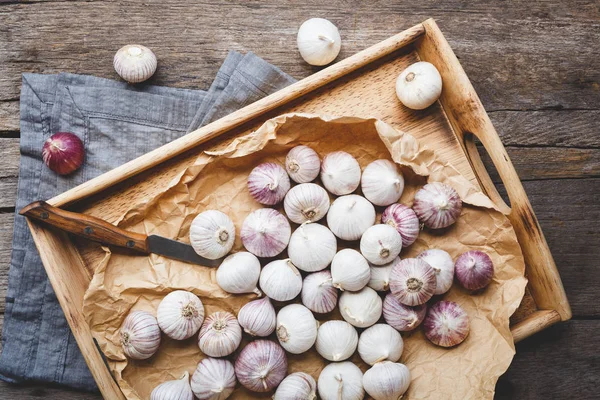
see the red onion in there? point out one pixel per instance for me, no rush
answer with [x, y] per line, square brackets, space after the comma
[412, 281]
[437, 205]
[268, 183]
[405, 221]
[474, 270]
[63, 153]
[400, 317]
[446, 324]
[261, 366]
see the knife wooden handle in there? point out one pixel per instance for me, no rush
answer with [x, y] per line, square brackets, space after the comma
[85, 226]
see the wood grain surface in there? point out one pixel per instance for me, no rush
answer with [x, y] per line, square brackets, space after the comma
[533, 64]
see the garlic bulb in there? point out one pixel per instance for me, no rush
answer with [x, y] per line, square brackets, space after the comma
[380, 244]
[297, 386]
[340, 173]
[419, 85]
[178, 389]
[446, 324]
[261, 366]
[258, 317]
[386, 380]
[379, 343]
[474, 270]
[382, 183]
[400, 317]
[312, 247]
[281, 280]
[302, 164]
[341, 381]
[140, 335]
[350, 216]
[318, 41]
[135, 63]
[404, 220]
[318, 293]
[214, 379]
[349, 270]
[265, 232]
[306, 202]
[239, 273]
[180, 314]
[437, 205]
[212, 234]
[442, 264]
[361, 309]
[380, 276]
[413, 281]
[296, 328]
[220, 334]
[268, 183]
[336, 340]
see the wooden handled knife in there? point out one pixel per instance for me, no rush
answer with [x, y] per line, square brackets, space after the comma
[101, 231]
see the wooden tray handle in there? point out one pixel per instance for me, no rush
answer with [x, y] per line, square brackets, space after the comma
[468, 117]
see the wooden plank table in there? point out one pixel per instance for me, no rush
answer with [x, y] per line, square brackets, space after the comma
[534, 65]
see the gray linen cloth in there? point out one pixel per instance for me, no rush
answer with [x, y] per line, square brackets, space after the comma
[116, 122]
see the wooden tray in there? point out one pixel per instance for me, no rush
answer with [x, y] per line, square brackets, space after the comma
[361, 85]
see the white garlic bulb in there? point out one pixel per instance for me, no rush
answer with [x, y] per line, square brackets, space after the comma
[140, 335]
[297, 386]
[340, 173]
[135, 63]
[319, 41]
[214, 379]
[212, 234]
[312, 247]
[178, 389]
[220, 334]
[380, 244]
[442, 264]
[380, 276]
[350, 216]
[419, 85]
[318, 293]
[379, 343]
[261, 366]
[336, 340]
[341, 381]
[180, 314]
[281, 280]
[302, 164]
[386, 380]
[306, 202]
[258, 317]
[239, 273]
[362, 308]
[296, 328]
[268, 183]
[349, 270]
[382, 183]
[265, 232]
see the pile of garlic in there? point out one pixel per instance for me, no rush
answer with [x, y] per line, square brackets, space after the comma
[370, 286]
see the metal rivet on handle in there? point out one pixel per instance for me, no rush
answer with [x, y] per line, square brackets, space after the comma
[88, 230]
[44, 215]
[130, 243]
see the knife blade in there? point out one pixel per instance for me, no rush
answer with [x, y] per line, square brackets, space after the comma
[98, 230]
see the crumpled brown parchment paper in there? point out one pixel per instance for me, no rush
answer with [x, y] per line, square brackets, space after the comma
[217, 180]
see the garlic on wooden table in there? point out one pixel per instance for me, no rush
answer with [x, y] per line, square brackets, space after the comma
[404, 220]
[386, 380]
[442, 264]
[214, 379]
[318, 293]
[239, 273]
[178, 389]
[349, 270]
[212, 234]
[401, 317]
[268, 183]
[180, 314]
[140, 335]
[306, 202]
[312, 247]
[446, 324]
[350, 216]
[297, 386]
[437, 205]
[281, 280]
[340, 173]
[341, 381]
[261, 366]
[319, 41]
[258, 317]
[296, 328]
[380, 244]
[302, 164]
[380, 275]
[413, 281]
[419, 85]
[382, 183]
[361, 309]
[474, 270]
[379, 343]
[135, 63]
[265, 232]
[336, 340]
[220, 334]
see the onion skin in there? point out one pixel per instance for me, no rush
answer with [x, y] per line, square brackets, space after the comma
[446, 324]
[474, 270]
[437, 205]
[63, 153]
